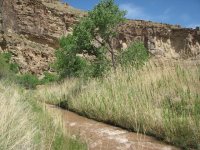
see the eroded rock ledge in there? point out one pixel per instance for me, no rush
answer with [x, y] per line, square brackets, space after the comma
[30, 31]
[162, 40]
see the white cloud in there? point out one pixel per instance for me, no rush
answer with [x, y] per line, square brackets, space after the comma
[133, 11]
[166, 16]
[193, 25]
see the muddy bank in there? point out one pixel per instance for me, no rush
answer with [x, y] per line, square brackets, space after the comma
[100, 136]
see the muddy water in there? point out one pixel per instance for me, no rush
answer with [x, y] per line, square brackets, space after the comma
[100, 136]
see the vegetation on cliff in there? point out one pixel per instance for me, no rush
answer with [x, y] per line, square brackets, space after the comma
[7, 68]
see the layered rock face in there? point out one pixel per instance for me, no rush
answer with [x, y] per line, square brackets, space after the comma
[30, 30]
[162, 40]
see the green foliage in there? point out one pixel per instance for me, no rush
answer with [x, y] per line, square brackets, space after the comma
[100, 66]
[49, 77]
[91, 38]
[14, 67]
[6, 67]
[29, 81]
[106, 16]
[7, 56]
[83, 37]
[135, 55]
[68, 64]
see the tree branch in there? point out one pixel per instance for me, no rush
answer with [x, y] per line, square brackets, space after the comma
[108, 47]
[99, 41]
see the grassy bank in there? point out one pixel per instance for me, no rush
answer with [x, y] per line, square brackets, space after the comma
[25, 125]
[17, 126]
[160, 100]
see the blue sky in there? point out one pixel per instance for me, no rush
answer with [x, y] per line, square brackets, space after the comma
[183, 12]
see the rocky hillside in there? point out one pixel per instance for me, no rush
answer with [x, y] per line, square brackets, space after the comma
[163, 40]
[30, 30]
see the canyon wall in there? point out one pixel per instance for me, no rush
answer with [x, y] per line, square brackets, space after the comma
[162, 40]
[30, 30]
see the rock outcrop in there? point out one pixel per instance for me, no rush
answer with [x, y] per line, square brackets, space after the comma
[162, 40]
[30, 30]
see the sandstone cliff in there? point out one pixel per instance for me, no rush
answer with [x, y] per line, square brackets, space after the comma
[30, 30]
[163, 40]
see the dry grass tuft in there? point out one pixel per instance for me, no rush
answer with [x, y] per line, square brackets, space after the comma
[17, 130]
[25, 125]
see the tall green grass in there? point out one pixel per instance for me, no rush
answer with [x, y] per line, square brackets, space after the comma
[162, 100]
[24, 124]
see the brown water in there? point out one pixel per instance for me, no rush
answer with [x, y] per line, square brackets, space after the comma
[100, 136]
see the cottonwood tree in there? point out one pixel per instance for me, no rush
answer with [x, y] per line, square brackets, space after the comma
[93, 36]
[106, 17]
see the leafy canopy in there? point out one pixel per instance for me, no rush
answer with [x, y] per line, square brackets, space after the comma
[92, 38]
[106, 17]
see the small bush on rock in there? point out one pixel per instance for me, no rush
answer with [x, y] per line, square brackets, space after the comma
[7, 68]
[4, 67]
[29, 81]
[135, 55]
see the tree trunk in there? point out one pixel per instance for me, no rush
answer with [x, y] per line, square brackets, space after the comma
[111, 50]
[113, 59]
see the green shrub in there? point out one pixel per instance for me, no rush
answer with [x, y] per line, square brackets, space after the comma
[29, 81]
[135, 55]
[49, 77]
[7, 56]
[70, 65]
[100, 66]
[7, 69]
[14, 67]
[67, 63]
[4, 67]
